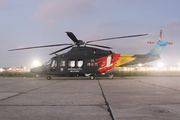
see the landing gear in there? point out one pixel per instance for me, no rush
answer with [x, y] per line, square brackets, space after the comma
[91, 77]
[110, 76]
[48, 77]
[37, 75]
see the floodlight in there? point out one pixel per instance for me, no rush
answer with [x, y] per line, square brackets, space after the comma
[36, 63]
[139, 64]
[160, 64]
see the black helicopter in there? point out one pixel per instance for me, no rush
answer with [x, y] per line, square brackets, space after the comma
[90, 61]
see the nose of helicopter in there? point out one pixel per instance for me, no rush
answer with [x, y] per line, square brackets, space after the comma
[38, 70]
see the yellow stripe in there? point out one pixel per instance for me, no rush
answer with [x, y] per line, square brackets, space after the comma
[126, 55]
[125, 58]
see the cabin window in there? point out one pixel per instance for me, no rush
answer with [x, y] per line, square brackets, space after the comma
[54, 64]
[62, 63]
[79, 63]
[71, 63]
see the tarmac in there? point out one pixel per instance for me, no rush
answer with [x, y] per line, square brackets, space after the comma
[77, 98]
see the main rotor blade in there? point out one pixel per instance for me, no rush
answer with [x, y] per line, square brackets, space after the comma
[72, 36]
[61, 50]
[39, 47]
[117, 38]
[100, 46]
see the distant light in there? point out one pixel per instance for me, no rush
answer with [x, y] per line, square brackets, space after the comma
[1, 70]
[160, 64]
[139, 64]
[36, 63]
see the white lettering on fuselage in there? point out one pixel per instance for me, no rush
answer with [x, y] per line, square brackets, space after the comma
[74, 69]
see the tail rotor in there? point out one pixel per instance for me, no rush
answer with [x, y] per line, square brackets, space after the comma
[160, 39]
[159, 47]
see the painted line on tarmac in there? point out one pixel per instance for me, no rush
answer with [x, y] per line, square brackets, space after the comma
[106, 102]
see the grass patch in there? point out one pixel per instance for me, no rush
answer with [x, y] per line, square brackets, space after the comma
[16, 74]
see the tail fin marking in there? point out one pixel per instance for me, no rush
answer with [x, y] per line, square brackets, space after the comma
[158, 48]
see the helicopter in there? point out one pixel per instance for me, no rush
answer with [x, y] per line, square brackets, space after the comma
[82, 60]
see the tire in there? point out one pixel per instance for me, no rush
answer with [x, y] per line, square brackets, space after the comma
[48, 77]
[91, 77]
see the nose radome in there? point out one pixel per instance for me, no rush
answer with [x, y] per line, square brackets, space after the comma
[37, 70]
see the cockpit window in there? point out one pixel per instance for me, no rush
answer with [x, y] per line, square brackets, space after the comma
[54, 64]
[47, 63]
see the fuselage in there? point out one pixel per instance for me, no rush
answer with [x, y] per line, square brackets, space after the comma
[89, 60]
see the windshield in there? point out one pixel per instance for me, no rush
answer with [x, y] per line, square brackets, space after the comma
[47, 63]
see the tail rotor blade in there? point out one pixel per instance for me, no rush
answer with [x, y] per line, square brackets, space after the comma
[170, 43]
[160, 35]
[149, 42]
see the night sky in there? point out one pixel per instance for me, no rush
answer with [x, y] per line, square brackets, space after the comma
[26, 23]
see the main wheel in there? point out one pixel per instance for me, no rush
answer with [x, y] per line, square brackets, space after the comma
[48, 77]
[91, 77]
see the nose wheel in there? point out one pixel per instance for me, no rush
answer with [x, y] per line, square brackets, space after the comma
[48, 77]
[111, 76]
[91, 77]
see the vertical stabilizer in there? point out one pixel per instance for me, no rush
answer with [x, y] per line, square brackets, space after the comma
[158, 48]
